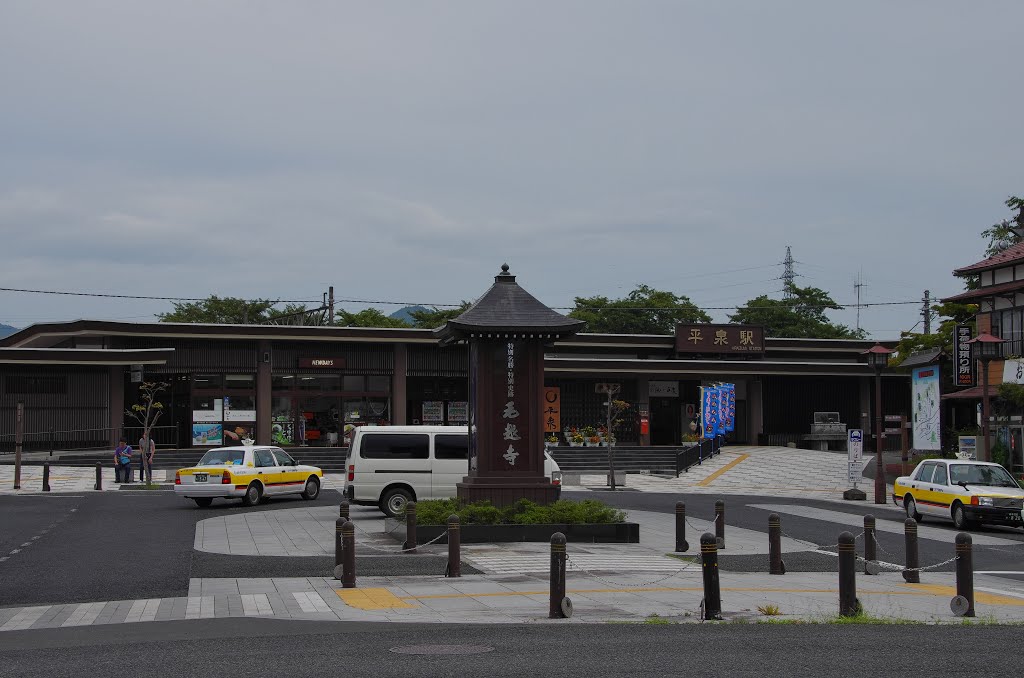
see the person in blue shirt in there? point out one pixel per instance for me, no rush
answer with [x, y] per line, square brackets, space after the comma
[123, 462]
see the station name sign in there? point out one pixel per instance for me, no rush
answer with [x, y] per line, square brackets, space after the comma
[708, 338]
[322, 363]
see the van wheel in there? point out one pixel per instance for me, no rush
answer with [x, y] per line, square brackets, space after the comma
[253, 494]
[203, 502]
[312, 489]
[394, 501]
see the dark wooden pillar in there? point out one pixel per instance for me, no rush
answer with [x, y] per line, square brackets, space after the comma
[399, 394]
[116, 400]
[264, 370]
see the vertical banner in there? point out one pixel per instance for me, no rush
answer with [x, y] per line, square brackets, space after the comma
[925, 394]
[962, 356]
[552, 409]
[709, 411]
[723, 408]
[730, 407]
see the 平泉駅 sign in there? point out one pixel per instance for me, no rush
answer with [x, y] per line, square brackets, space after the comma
[707, 338]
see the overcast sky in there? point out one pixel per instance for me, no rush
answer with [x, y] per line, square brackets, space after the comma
[402, 151]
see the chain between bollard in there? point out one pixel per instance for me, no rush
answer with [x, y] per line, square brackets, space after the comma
[899, 568]
[404, 550]
[578, 568]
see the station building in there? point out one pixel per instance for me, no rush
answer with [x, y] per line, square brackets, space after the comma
[307, 385]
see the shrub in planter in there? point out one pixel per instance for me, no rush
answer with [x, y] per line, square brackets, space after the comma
[523, 512]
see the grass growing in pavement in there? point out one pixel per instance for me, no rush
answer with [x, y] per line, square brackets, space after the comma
[655, 620]
[769, 610]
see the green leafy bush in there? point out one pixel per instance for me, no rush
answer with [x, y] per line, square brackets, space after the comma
[523, 512]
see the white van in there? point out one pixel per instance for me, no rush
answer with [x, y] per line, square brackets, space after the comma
[392, 465]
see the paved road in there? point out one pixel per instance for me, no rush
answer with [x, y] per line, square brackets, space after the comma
[197, 648]
[1006, 554]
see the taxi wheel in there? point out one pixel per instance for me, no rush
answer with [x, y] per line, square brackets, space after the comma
[911, 507]
[312, 489]
[394, 501]
[253, 494]
[203, 502]
[960, 521]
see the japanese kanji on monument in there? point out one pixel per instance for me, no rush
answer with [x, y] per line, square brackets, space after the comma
[507, 329]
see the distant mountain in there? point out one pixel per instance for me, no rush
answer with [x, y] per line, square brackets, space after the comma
[7, 329]
[406, 313]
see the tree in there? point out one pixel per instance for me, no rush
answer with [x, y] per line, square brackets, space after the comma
[803, 315]
[1006, 233]
[951, 315]
[643, 311]
[429, 319]
[216, 309]
[368, 317]
[148, 410]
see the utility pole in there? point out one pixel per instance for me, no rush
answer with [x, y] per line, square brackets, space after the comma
[926, 311]
[330, 305]
[856, 288]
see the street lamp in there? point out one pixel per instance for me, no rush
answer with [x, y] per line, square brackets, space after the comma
[988, 347]
[878, 358]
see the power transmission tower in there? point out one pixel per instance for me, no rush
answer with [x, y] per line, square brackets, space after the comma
[926, 311]
[788, 275]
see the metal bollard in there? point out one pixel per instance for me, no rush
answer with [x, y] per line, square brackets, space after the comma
[709, 564]
[46, 476]
[454, 568]
[339, 543]
[848, 605]
[559, 607]
[99, 476]
[681, 545]
[870, 550]
[964, 575]
[410, 528]
[911, 574]
[348, 561]
[343, 510]
[720, 523]
[775, 564]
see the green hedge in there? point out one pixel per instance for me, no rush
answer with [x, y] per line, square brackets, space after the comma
[523, 512]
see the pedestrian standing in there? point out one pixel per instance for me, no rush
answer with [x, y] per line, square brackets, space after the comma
[147, 448]
[123, 462]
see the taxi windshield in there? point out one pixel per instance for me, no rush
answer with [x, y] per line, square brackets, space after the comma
[975, 474]
[221, 457]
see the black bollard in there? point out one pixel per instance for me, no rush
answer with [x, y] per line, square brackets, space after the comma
[557, 609]
[410, 528]
[965, 570]
[720, 523]
[848, 605]
[681, 545]
[709, 564]
[454, 548]
[99, 476]
[775, 564]
[343, 510]
[339, 543]
[348, 561]
[870, 554]
[46, 476]
[911, 574]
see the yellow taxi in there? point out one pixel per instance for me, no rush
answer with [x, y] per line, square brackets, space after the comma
[246, 473]
[966, 492]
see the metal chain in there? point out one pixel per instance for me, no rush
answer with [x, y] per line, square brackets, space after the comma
[806, 541]
[579, 568]
[898, 568]
[401, 550]
[881, 548]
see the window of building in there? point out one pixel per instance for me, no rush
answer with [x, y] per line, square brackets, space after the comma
[379, 384]
[246, 381]
[354, 383]
[16, 384]
[204, 381]
[318, 382]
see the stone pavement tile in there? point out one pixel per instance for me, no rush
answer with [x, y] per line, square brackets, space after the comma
[166, 609]
[257, 585]
[290, 584]
[213, 587]
[450, 604]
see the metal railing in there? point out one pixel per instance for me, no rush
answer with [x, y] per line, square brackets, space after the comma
[703, 449]
[85, 439]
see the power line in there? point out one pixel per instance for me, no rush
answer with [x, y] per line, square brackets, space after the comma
[135, 296]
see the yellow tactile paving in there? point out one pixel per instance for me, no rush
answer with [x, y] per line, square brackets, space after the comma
[735, 462]
[979, 596]
[372, 599]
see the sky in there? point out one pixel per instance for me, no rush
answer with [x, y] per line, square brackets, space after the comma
[403, 151]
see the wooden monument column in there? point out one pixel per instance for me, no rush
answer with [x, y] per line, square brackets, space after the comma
[507, 330]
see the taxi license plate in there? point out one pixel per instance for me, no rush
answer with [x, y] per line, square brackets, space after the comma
[200, 477]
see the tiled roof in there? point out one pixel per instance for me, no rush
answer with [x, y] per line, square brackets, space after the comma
[507, 307]
[991, 290]
[1011, 255]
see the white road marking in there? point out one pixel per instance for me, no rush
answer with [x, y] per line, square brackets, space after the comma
[853, 520]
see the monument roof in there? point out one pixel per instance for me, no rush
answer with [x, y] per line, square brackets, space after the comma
[506, 309]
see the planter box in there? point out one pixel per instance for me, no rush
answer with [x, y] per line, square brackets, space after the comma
[615, 533]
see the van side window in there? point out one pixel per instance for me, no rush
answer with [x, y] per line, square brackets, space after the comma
[395, 446]
[451, 447]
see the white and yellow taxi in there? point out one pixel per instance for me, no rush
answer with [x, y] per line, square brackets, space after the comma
[246, 473]
[966, 492]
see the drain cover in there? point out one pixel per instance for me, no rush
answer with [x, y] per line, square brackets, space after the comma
[442, 649]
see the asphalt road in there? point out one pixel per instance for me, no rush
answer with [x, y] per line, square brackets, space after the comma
[740, 513]
[219, 647]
